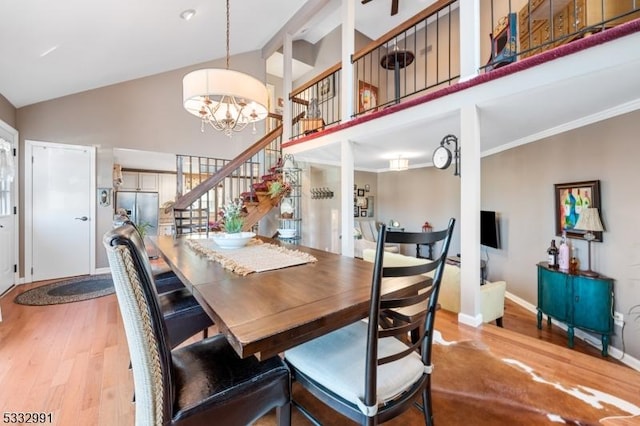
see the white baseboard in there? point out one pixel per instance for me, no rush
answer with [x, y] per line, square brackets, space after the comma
[469, 320]
[102, 271]
[582, 335]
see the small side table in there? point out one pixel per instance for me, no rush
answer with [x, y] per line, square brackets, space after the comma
[455, 260]
[311, 125]
[396, 60]
[428, 255]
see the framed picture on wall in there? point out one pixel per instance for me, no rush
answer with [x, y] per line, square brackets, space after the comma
[571, 199]
[356, 211]
[363, 213]
[367, 96]
[362, 202]
[326, 89]
[360, 192]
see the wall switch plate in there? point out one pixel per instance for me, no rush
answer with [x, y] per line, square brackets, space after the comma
[618, 319]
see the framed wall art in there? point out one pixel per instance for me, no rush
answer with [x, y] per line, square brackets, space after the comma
[362, 202]
[104, 197]
[571, 199]
[367, 96]
[326, 88]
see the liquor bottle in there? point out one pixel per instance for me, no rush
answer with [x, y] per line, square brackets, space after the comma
[573, 263]
[563, 253]
[552, 251]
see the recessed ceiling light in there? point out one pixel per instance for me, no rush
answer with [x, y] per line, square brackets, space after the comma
[187, 14]
[46, 52]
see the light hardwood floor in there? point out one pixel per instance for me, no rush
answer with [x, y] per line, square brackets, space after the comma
[72, 360]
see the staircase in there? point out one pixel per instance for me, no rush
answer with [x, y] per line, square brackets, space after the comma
[206, 184]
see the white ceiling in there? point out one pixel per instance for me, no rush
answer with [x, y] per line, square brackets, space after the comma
[98, 43]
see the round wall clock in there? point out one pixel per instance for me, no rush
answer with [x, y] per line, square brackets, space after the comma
[441, 157]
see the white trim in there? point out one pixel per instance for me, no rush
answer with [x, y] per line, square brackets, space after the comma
[28, 204]
[582, 335]
[16, 197]
[469, 320]
[104, 270]
[571, 125]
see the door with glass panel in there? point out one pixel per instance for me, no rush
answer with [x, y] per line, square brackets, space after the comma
[7, 202]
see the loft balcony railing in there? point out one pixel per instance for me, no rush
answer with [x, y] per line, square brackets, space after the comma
[316, 104]
[540, 25]
[423, 54]
[419, 55]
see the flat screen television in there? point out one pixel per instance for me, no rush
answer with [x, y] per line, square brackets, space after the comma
[489, 231]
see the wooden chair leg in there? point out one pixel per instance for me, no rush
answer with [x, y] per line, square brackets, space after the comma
[426, 405]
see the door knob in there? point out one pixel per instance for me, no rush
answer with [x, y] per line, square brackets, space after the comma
[83, 218]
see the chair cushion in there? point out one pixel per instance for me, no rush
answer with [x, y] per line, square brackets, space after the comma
[213, 385]
[336, 361]
[167, 281]
[183, 316]
[176, 302]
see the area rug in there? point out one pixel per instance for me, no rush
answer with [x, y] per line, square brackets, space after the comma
[472, 386]
[256, 256]
[67, 291]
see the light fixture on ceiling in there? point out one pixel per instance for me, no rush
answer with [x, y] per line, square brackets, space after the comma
[187, 14]
[398, 164]
[227, 100]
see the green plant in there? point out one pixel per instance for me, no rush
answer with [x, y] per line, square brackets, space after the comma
[143, 228]
[278, 187]
[232, 219]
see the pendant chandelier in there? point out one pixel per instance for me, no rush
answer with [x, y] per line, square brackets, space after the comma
[225, 99]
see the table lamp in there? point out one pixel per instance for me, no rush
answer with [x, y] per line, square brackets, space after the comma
[589, 220]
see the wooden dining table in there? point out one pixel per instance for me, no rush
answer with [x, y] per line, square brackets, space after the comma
[265, 313]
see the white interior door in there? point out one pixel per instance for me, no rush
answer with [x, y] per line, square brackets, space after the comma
[61, 210]
[8, 176]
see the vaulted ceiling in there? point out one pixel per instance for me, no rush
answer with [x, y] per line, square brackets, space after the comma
[51, 49]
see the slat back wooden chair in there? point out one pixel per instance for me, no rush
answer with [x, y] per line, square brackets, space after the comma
[367, 371]
[200, 383]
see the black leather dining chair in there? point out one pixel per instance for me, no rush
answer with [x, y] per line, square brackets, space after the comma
[369, 371]
[182, 313]
[201, 383]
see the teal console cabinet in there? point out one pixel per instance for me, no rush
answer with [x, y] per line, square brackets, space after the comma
[576, 300]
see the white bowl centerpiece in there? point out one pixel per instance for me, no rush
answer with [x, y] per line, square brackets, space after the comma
[236, 240]
[232, 222]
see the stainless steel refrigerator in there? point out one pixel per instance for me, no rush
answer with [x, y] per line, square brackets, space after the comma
[142, 208]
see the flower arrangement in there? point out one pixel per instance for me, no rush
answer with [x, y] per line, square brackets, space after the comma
[232, 219]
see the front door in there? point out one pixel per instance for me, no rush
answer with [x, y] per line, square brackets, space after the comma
[61, 216]
[8, 172]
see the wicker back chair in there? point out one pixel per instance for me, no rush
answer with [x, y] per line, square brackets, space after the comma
[194, 384]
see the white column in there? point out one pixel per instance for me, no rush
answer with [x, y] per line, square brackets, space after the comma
[470, 216]
[348, 46]
[287, 73]
[469, 39]
[346, 195]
